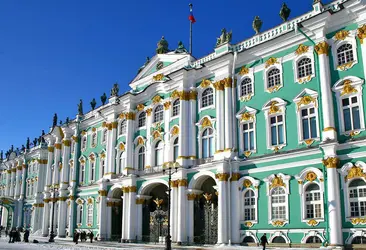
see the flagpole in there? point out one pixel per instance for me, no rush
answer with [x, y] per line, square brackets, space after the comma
[190, 31]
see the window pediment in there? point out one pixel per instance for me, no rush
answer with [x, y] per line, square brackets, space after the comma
[246, 114]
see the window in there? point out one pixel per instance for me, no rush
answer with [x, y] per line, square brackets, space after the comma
[304, 68]
[72, 147]
[159, 113]
[278, 239]
[207, 98]
[102, 167]
[104, 137]
[309, 123]
[176, 106]
[159, 153]
[207, 143]
[83, 143]
[274, 78]
[248, 239]
[249, 205]
[122, 127]
[175, 149]
[82, 173]
[345, 54]
[248, 136]
[142, 119]
[359, 240]
[141, 158]
[92, 171]
[246, 87]
[357, 198]
[80, 214]
[351, 113]
[90, 215]
[278, 204]
[277, 130]
[94, 140]
[313, 239]
[122, 161]
[313, 202]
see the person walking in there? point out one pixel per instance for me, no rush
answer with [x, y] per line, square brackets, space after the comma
[91, 235]
[26, 235]
[76, 237]
[264, 241]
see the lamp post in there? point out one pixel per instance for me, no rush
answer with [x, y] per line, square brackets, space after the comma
[170, 171]
[52, 234]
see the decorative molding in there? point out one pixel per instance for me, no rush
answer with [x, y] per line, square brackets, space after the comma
[302, 49]
[148, 111]
[158, 77]
[243, 71]
[222, 176]
[205, 83]
[167, 105]
[156, 99]
[331, 162]
[102, 192]
[140, 107]
[361, 33]
[348, 88]
[183, 183]
[271, 61]
[206, 123]
[58, 146]
[341, 35]
[51, 149]
[322, 48]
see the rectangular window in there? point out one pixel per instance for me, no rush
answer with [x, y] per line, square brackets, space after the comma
[308, 122]
[248, 136]
[354, 209]
[351, 113]
[277, 133]
[90, 215]
[279, 213]
[249, 214]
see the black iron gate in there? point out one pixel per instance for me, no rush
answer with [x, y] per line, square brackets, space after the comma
[205, 220]
[158, 225]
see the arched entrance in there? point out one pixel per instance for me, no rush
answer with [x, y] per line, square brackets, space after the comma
[116, 214]
[7, 211]
[154, 213]
[205, 212]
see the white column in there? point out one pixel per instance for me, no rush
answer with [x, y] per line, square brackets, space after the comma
[329, 131]
[57, 158]
[184, 129]
[222, 208]
[46, 215]
[113, 142]
[235, 209]
[18, 181]
[20, 213]
[129, 139]
[192, 131]
[102, 212]
[12, 180]
[65, 163]
[362, 37]
[220, 126]
[148, 138]
[131, 235]
[190, 217]
[8, 181]
[125, 218]
[182, 202]
[173, 210]
[108, 219]
[167, 154]
[334, 203]
[228, 114]
[72, 218]
[62, 211]
[139, 204]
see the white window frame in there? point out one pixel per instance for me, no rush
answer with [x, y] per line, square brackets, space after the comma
[356, 84]
[241, 121]
[297, 58]
[335, 44]
[277, 65]
[93, 139]
[71, 169]
[120, 128]
[303, 184]
[90, 217]
[154, 160]
[345, 182]
[102, 160]
[137, 153]
[84, 142]
[121, 161]
[177, 100]
[281, 105]
[268, 180]
[138, 120]
[82, 162]
[104, 132]
[201, 129]
[92, 168]
[80, 213]
[200, 91]
[173, 146]
[254, 187]
[300, 106]
[240, 79]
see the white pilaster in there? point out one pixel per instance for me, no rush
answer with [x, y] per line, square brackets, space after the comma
[228, 114]
[220, 126]
[235, 209]
[182, 202]
[129, 139]
[131, 235]
[184, 129]
[222, 209]
[103, 210]
[148, 137]
[167, 154]
[192, 126]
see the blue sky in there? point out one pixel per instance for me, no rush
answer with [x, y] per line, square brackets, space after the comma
[52, 53]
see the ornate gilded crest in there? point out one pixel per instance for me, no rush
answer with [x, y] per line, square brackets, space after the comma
[277, 182]
[122, 147]
[206, 123]
[247, 116]
[243, 71]
[205, 83]
[175, 131]
[158, 202]
[167, 105]
[175, 94]
[207, 196]
[355, 172]
[301, 49]
[140, 141]
[273, 108]
[247, 183]
[271, 61]
[305, 100]
[310, 176]
[278, 223]
[312, 223]
[348, 88]
[156, 99]
[322, 48]
[140, 107]
[341, 35]
[361, 33]
[158, 77]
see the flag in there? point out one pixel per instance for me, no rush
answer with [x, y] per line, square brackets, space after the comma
[191, 17]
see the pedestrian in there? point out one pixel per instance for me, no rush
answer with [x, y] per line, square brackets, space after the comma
[17, 233]
[91, 235]
[26, 235]
[83, 234]
[264, 241]
[6, 232]
[76, 237]
[12, 235]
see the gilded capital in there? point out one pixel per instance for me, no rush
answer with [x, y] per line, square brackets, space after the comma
[67, 143]
[174, 184]
[331, 162]
[322, 48]
[102, 192]
[140, 201]
[183, 183]
[132, 189]
[51, 149]
[58, 145]
[235, 177]
[191, 197]
[193, 95]
[222, 176]
[148, 111]
[130, 116]
[361, 33]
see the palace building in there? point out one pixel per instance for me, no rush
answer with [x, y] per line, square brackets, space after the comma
[263, 136]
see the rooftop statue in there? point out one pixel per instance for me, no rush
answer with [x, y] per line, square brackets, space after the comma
[103, 98]
[224, 37]
[22, 148]
[284, 12]
[93, 103]
[27, 145]
[80, 107]
[115, 90]
[35, 142]
[181, 48]
[257, 24]
[162, 46]
[1, 155]
[54, 123]
[146, 63]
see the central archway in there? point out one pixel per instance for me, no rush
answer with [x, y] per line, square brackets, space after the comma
[116, 214]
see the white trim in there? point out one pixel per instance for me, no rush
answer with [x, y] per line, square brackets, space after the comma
[277, 65]
[252, 112]
[201, 130]
[200, 91]
[240, 79]
[254, 188]
[312, 233]
[295, 67]
[351, 39]
[282, 234]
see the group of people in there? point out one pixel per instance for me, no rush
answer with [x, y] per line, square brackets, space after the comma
[82, 235]
[14, 234]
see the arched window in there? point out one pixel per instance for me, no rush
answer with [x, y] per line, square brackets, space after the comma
[80, 214]
[304, 67]
[176, 106]
[159, 147]
[90, 215]
[104, 137]
[207, 98]
[359, 240]
[141, 158]
[246, 87]
[94, 140]
[123, 127]
[274, 77]
[175, 149]
[249, 205]
[122, 161]
[83, 143]
[345, 54]
[159, 113]
[278, 239]
[313, 201]
[207, 143]
[278, 204]
[102, 167]
[82, 173]
[313, 239]
[248, 239]
[92, 171]
[357, 198]
[142, 119]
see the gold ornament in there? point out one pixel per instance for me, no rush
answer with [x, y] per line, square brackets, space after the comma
[175, 94]
[322, 48]
[140, 141]
[140, 107]
[175, 131]
[247, 116]
[348, 88]
[278, 223]
[122, 147]
[271, 61]
[305, 100]
[167, 105]
[277, 182]
[191, 197]
[356, 221]
[207, 196]
[206, 123]
[301, 49]
[331, 162]
[148, 111]
[247, 153]
[341, 35]
[312, 223]
[156, 99]
[130, 116]
[247, 183]
[158, 77]
[222, 176]
[273, 108]
[158, 202]
[310, 176]
[243, 71]
[248, 224]
[355, 172]
[205, 83]
[308, 142]
[361, 33]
